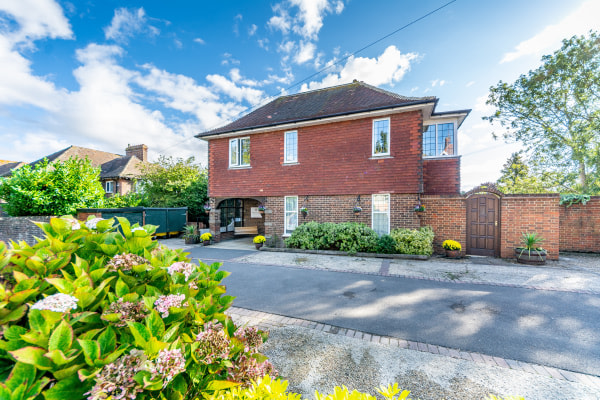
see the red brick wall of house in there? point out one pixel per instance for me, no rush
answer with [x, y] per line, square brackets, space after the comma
[530, 213]
[340, 209]
[447, 216]
[441, 175]
[333, 159]
[580, 226]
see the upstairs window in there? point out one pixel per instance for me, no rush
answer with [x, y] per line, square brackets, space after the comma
[439, 140]
[239, 152]
[291, 147]
[381, 137]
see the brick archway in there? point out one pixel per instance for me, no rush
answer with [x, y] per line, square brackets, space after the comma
[483, 220]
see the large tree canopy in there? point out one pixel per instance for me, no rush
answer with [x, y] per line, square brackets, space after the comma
[554, 111]
[176, 183]
[52, 189]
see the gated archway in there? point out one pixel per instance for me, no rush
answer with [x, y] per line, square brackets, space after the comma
[483, 220]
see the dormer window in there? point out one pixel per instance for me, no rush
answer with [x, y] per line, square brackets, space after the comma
[439, 140]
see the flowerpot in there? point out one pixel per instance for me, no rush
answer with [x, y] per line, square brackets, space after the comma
[530, 257]
[258, 245]
[206, 242]
[190, 240]
[356, 213]
[261, 211]
[453, 253]
[304, 214]
[207, 212]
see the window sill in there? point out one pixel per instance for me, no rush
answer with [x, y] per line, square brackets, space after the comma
[380, 157]
[240, 167]
[441, 157]
[291, 163]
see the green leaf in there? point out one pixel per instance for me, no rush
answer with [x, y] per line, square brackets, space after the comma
[91, 350]
[107, 341]
[154, 346]
[21, 374]
[32, 355]
[140, 334]
[121, 288]
[62, 285]
[112, 317]
[60, 225]
[20, 277]
[171, 332]
[59, 358]
[155, 324]
[69, 388]
[62, 338]
[14, 315]
[35, 338]
[125, 226]
[221, 385]
[67, 372]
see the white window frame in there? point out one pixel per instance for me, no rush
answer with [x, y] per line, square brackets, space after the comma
[285, 214]
[238, 142]
[110, 184]
[294, 159]
[374, 141]
[454, 137]
[373, 212]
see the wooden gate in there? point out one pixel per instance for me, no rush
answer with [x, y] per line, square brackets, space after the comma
[483, 223]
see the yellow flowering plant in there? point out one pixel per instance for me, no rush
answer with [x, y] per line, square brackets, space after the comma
[205, 237]
[451, 245]
[259, 239]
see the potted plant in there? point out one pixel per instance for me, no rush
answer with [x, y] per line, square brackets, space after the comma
[452, 248]
[259, 241]
[205, 237]
[261, 208]
[357, 210]
[419, 208]
[531, 251]
[189, 235]
[207, 208]
[304, 212]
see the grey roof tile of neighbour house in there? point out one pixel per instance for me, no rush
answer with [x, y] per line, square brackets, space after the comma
[123, 167]
[96, 157]
[7, 166]
[346, 99]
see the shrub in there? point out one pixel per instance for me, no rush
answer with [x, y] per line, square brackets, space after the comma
[350, 237]
[411, 241]
[93, 312]
[451, 245]
[127, 200]
[386, 245]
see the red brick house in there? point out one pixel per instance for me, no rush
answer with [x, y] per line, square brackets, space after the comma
[328, 151]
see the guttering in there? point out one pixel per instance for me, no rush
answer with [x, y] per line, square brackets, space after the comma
[377, 112]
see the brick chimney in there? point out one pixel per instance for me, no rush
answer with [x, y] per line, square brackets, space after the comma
[140, 151]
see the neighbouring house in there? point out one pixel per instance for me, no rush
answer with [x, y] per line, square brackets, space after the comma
[328, 151]
[117, 172]
[7, 166]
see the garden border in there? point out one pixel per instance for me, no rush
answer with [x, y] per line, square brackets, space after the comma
[344, 253]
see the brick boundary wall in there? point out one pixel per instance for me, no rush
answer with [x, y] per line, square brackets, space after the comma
[447, 215]
[522, 213]
[21, 228]
[580, 226]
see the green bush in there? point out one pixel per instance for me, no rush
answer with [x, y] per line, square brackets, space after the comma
[93, 312]
[411, 241]
[386, 245]
[127, 200]
[350, 237]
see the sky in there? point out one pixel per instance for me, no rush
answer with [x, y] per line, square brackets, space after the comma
[106, 74]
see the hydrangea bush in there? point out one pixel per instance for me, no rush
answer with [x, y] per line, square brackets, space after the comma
[95, 312]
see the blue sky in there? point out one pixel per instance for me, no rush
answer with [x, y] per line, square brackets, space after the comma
[105, 74]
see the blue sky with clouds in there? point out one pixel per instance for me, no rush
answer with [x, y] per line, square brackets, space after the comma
[105, 74]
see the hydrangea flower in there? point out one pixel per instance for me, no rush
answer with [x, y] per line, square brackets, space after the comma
[130, 311]
[125, 262]
[250, 337]
[58, 302]
[75, 225]
[168, 364]
[116, 379]
[163, 303]
[186, 269]
[247, 369]
[91, 224]
[214, 343]
[138, 228]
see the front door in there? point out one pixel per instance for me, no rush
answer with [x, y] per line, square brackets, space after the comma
[483, 230]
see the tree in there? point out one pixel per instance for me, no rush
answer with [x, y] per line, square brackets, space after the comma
[176, 183]
[516, 177]
[554, 111]
[58, 188]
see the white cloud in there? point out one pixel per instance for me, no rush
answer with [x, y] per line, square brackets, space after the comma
[252, 30]
[238, 93]
[126, 23]
[470, 83]
[281, 20]
[263, 43]
[438, 82]
[199, 40]
[389, 68]
[310, 18]
[305, 53]
[579, 22]
[37, 19]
